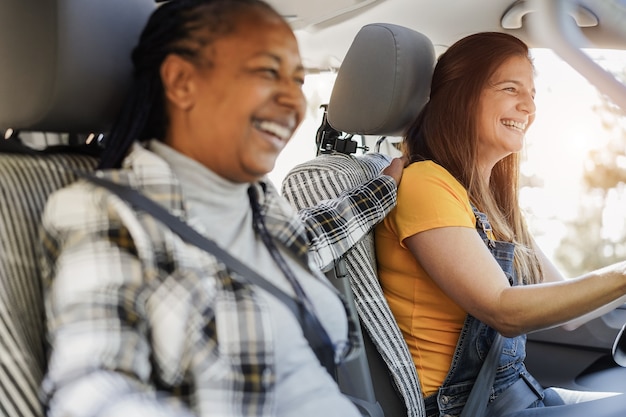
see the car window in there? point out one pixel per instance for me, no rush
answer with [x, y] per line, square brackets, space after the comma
[574, 170]
[317, 88]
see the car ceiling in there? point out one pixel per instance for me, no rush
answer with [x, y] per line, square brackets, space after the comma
[325, 28]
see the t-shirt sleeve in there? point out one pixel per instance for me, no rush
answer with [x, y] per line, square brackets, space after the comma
[428, 198]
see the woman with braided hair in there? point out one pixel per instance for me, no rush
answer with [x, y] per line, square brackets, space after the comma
[141, 323]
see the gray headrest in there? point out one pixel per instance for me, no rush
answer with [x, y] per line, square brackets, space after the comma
[383, 81]
[66, 63]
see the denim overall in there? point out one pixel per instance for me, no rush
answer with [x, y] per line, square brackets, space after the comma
[473, 345]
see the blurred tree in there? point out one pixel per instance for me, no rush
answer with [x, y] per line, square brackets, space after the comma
[597, 236]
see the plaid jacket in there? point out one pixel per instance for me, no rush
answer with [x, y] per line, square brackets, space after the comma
[143, 324]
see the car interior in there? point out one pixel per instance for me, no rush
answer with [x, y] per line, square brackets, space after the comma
[65, 69]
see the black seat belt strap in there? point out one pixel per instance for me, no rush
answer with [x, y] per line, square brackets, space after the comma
[476, 405]
[185, 232]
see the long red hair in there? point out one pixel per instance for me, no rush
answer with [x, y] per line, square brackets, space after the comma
[446, 131]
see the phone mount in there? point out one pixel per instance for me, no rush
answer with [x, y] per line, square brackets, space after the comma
[329, 140]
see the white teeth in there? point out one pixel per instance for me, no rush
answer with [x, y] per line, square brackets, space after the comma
[517, 125]
[275, 129]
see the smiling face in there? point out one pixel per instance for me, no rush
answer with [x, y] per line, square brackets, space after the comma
[236, 114]
[506, 110]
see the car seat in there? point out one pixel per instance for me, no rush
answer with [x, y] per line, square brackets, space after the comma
[381, 85]
[65, 65]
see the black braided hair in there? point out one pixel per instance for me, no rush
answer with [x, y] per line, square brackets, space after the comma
[181, 27]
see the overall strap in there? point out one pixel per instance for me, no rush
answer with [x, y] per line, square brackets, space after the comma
[476, 405]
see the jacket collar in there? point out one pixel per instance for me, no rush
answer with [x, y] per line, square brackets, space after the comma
[148, 172]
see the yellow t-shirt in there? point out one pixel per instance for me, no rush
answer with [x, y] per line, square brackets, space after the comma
[428, 198]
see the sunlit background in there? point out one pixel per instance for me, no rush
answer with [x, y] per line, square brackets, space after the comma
[574, 167]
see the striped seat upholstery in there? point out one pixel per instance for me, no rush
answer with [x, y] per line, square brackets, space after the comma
[66, 67]
[25, 183]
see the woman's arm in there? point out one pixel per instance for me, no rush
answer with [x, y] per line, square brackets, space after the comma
[552, 274]
[460, 263]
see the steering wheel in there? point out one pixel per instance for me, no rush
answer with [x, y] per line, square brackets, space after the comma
[552, 22]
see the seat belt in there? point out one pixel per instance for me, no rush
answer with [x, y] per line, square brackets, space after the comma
[311, 329]
[476, 405]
